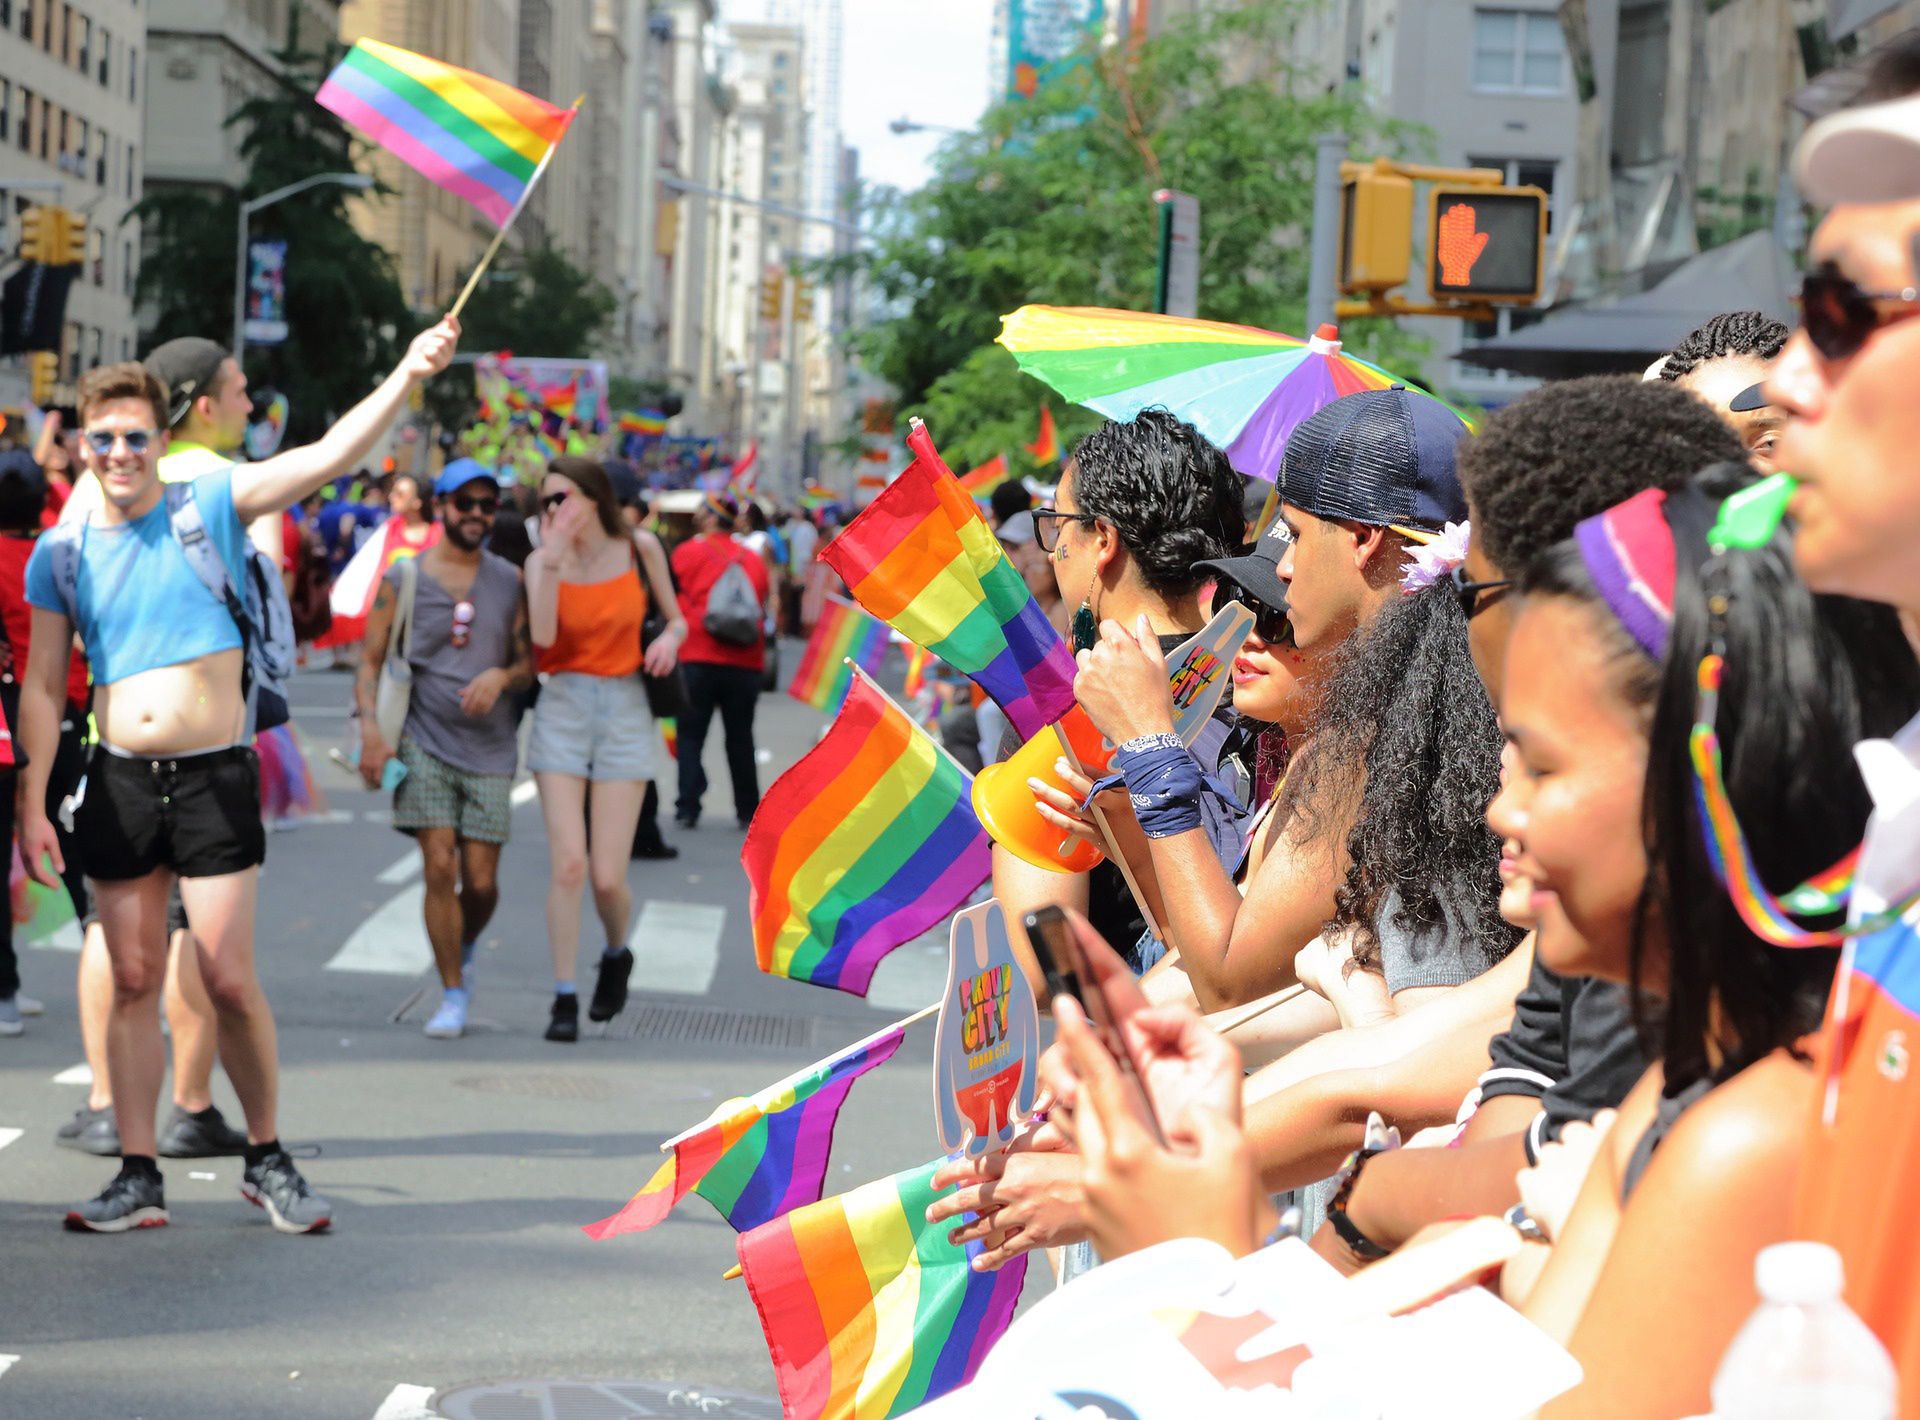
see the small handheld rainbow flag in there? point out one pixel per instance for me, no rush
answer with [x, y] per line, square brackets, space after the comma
[868, 1310]
[923, 560]
[758, 1158]
[919, 662]
[817, 495]
[864, 844]
[844, 633]
[478, 138]
[984, 479]
[650, 422]
[1045, 447]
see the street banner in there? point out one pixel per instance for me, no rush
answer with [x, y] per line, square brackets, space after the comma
[266, 322]
[1044, 38]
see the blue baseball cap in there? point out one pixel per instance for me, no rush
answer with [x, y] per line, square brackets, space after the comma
[459, 474]
[1380, 457]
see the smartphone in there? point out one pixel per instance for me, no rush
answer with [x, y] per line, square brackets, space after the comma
[1068, 974]
[390, 775]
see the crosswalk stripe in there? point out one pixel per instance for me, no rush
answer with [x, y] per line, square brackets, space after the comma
[7, 1363]
[676, 947]
[391, 942]
[406, 1402]
[401, 870]
[7, 1136]
[81, 1074]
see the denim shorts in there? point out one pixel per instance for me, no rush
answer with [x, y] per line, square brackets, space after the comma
[593, 727]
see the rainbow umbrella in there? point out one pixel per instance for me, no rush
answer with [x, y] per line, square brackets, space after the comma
[1244, 388]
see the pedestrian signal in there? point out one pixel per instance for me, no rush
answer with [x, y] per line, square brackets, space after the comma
[1486, 243]
[1376, 228]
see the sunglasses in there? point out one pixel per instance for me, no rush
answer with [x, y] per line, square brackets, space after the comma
[1270, 623]
[553, 501]
[1476, 597]
[101, 441]
[462, 624]
[1839, 315]
[1046, 525]
[464, 504]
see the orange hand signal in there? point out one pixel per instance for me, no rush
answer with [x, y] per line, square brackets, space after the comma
[1460, 245]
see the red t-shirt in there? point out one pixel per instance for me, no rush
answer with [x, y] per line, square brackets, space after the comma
[18, 616]
[697, 565]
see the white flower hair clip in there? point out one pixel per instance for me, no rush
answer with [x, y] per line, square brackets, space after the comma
[1430, 562]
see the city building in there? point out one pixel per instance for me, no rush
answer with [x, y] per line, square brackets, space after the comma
[73, 132]
[687, 148]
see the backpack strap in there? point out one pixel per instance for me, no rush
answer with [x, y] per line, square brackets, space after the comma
[62, 542]
[190, 531]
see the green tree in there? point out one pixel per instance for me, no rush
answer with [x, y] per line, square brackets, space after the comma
[537, 302]
[347, 318]
[1051, 201]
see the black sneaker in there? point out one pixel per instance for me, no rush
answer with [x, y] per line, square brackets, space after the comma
[132, 1200]
[655, 848]
[277, 1186]
[205, 1135]
[687, 820]
[565, 1023]
[91, 1131]
[610, 988]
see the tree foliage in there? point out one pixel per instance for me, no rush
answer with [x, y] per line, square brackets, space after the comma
[1051, 201]
[346, 315]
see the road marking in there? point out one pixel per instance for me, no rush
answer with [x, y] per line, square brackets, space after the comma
[913, 974]
[401, 870]
[81, 1074]
[406, 1402]
[64, 938]
[7, 1363]
[391, 942]
[7, 1136]
[676, 947]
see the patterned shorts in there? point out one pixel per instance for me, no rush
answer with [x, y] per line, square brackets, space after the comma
[436, 794]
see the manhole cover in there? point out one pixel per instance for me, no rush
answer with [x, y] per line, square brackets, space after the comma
[542, 1087]
[702, 1026]
[598, 1400]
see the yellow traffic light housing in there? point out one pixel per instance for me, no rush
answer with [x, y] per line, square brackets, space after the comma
[35, 232]
[802, 302]
[43, 369]
[1376, 227]
[772, 296]
[71, 229]
[1486, 244]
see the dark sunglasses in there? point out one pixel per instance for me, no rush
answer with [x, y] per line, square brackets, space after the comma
[1270, 623]
[101, 441]
[552, 501]
[1839, 315]
[464, 504]
[1476, 597]
[1046, 525]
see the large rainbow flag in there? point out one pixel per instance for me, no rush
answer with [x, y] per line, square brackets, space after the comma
[758, 1158]
[864, 844]
[984, 479]
[923, 560]
[868, 1310]
[476, 137]
[843, 633]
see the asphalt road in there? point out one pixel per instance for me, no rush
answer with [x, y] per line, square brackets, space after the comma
[460, 1171]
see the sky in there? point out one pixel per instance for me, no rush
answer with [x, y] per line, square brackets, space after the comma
[920, 59]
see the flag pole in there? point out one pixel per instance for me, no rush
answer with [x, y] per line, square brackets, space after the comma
[798, 1075]
[500, 236]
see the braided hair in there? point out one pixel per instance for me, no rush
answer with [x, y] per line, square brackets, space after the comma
[1729, 333]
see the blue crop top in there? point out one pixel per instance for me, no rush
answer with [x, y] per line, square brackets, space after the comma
[140, 604]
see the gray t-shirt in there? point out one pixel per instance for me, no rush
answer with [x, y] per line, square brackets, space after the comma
[1427, 958]
[483, 744]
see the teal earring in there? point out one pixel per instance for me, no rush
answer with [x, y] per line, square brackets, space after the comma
[1086, 627]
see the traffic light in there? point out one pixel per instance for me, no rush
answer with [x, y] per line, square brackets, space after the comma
[36, 228]
[70, 234]
[1486, 243]
[772, 296]
[802, 302]
[52, 236]
[43, 368]
[1376, 227]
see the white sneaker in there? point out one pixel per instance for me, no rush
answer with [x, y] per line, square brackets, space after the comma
[30, 1007]
[10, 1016]
[450, 1021]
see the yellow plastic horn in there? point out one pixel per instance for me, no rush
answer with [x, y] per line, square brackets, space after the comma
[1006, 806]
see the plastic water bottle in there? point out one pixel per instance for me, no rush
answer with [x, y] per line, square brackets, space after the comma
[1803, 1355]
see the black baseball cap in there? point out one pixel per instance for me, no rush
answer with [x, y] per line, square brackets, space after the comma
[20, 464]
[1380, 457]
[188, 367]
[1258, 569]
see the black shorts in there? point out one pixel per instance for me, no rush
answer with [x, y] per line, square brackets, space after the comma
[198, 814]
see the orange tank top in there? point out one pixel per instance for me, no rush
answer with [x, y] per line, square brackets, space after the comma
[599, 628]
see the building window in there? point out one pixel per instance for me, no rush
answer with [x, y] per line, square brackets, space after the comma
[1518, 52]
[6, 13]
[6, 109]
[26, 121]
[26, 20]
[133, 73]
[780, 60]
[133, 164]
[106, 48]
[127, 274]
[83, 60]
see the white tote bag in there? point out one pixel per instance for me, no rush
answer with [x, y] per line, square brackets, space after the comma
[395, 692]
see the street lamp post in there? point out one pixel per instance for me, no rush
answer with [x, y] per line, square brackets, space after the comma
[358, 181]
[904, 125]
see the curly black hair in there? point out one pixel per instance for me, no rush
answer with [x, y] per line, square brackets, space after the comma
[1571, 450]
[1729, 333]
[1172, 496]
[1404, 701]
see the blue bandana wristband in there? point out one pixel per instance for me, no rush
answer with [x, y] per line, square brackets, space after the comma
[1164, 783]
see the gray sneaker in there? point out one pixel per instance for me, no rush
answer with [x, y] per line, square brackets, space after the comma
[276, 1185]
[132, 1200]
[10, 1016]
[91, 1131]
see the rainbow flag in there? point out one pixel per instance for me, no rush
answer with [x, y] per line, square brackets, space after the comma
[984, 479]
[919, 662]
[670, 733]
[1045, 447]
[923, 560]
[758, 1158]
[843, 632]
[868, 1310]
[864, 844]
[476, 137]
[650, 422]
[741, 477]
[816, 495]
